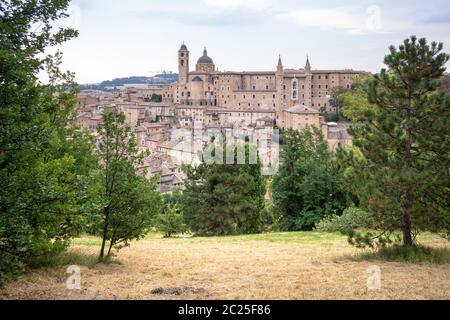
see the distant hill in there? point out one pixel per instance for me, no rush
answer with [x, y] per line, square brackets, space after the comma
[163, 78]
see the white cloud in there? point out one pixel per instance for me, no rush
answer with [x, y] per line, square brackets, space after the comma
[343, 18]
[234, 4]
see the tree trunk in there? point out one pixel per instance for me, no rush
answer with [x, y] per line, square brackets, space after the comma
[110, 247]
[407, 237]
[105, 231]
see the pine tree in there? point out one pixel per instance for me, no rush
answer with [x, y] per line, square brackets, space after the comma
[399, 168]
[221, 199]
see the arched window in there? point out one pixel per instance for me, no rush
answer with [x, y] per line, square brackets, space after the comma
[294, 85]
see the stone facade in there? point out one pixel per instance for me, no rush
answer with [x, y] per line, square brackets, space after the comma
[243, 94]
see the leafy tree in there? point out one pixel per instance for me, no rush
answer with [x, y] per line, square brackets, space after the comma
[336, 103]
[44, 161]
[399, 166]
[130, 201]
[170, 221]
[222, 199]
[307, 187]
[354, 104]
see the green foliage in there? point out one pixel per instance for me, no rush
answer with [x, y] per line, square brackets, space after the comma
[129, 201]
[156, 98]
[399, 165]
[44, 161]
[408, 254]
[335, 101]
[331, 117]
[351, 219]
[65, 258]
[223, 199]
[354, 104]
[170, 221]
[307, 188]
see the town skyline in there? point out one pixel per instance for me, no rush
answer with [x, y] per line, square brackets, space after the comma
[139, 38]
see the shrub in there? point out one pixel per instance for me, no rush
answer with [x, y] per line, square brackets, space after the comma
[352, 218]
[170, 222]
[409, 254]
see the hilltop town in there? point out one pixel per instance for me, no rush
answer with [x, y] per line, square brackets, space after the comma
[166, 117]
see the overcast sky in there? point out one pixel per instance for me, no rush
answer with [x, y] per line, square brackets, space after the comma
[141, 37]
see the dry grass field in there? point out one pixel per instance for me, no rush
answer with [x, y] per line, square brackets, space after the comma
[304, 265]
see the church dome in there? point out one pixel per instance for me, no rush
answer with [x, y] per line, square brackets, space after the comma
[183, 47]
[205, 58]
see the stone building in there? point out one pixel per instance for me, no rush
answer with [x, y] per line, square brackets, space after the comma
[253, 95]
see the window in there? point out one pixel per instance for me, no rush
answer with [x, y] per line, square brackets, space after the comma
[294, 85]
[182, 63]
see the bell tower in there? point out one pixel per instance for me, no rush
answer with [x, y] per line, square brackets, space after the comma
[183, 65]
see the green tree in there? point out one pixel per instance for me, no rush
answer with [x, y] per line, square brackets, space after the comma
[129, 200]
[399, 166]
[156, 98]
[307, 185]
[355, 103]
[44, 161]
[222, 199]
[170, 221]
[336, 103]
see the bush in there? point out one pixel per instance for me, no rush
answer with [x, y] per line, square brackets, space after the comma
[409, 254]
[352, 218]
[170, 222]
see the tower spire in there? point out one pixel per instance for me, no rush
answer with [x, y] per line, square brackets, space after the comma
[308, 65]
[280, 64]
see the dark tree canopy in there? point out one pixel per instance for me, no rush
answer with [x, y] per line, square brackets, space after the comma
[44, 162]
[307, 187]
[224, 199]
